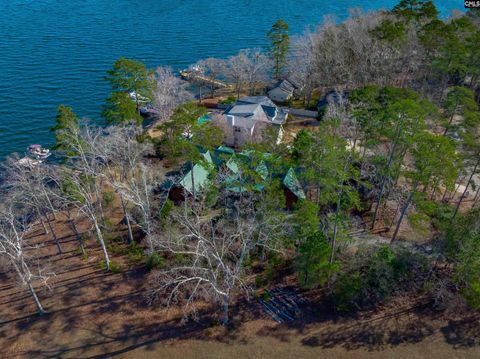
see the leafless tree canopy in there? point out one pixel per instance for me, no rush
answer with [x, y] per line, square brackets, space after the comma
[168, 93]
[211, 249]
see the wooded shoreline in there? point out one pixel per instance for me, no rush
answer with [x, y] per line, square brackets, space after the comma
[211, 223]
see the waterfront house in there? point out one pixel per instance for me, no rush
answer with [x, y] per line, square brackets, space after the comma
[248, 118]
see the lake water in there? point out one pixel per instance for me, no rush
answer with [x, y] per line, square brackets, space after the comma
[57, 51]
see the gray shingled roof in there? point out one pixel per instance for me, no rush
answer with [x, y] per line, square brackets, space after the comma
[260, 100]
[243, 110]
[246, 107]
[286, 86]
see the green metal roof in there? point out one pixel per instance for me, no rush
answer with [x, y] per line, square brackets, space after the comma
[226, 150]
[234, 182]
[262, 170]
[291, 182]
[203, 119]
[200, 179]
[208, 157]
[233, 165]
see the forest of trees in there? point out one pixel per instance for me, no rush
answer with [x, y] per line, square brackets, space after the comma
[400, 151]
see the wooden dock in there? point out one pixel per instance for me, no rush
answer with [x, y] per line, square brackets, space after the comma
[198, 77]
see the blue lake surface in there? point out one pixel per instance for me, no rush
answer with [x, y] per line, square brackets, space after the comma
[57, 51]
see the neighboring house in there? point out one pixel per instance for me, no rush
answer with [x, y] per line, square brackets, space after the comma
[248, 117]
[283, 90]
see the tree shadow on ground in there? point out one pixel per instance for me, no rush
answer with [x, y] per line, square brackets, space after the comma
[374, 332]
[463, 333]
[105, 323]
[106, 342]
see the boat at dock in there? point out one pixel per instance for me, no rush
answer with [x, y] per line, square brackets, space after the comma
[138, 98]
[37, 152]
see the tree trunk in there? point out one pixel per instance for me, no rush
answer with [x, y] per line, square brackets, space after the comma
[99, 203]
[127, 219]
[305, 278]
[466, 188]
[225, 310]
[41, 311]
[45, 230]
[404, 211]
[475, 199]
[102, 244]
[238, 89]
[253, 88]
[457, 188]
[392, 220]
[77, 235]
[335, 228]
[318, 193]
[384, 178]
[54, 235]
[425, 189]
[212, 86]
[449, 124]
[434, 191]
[309, 99]
[445, 193]
[148, 235]
[193, 181]
[137, 104]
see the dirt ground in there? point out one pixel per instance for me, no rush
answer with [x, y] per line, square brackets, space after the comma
[94, 314]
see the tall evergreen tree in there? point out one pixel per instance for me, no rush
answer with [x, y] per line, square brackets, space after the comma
[132, 86]
[434, 163]
[459, 101]
[279, 43]
[66, 124]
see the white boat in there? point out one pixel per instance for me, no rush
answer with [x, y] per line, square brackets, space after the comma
[38, 152]
[138, 98]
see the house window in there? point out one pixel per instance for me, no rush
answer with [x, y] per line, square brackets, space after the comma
[237, 129]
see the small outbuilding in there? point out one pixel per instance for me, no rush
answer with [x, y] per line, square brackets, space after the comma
[282, 91]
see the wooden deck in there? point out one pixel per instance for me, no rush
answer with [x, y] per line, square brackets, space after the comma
[197, 77]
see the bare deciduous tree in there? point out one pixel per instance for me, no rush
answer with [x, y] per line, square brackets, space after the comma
[237, 69]
[258, 69]
[350, 55]
[211, 68]
[16, 251]
[168, 93]
[122, 153]
[301, 63]
[138, 190]
[213, 248]
[29, 187]
[81, 179]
